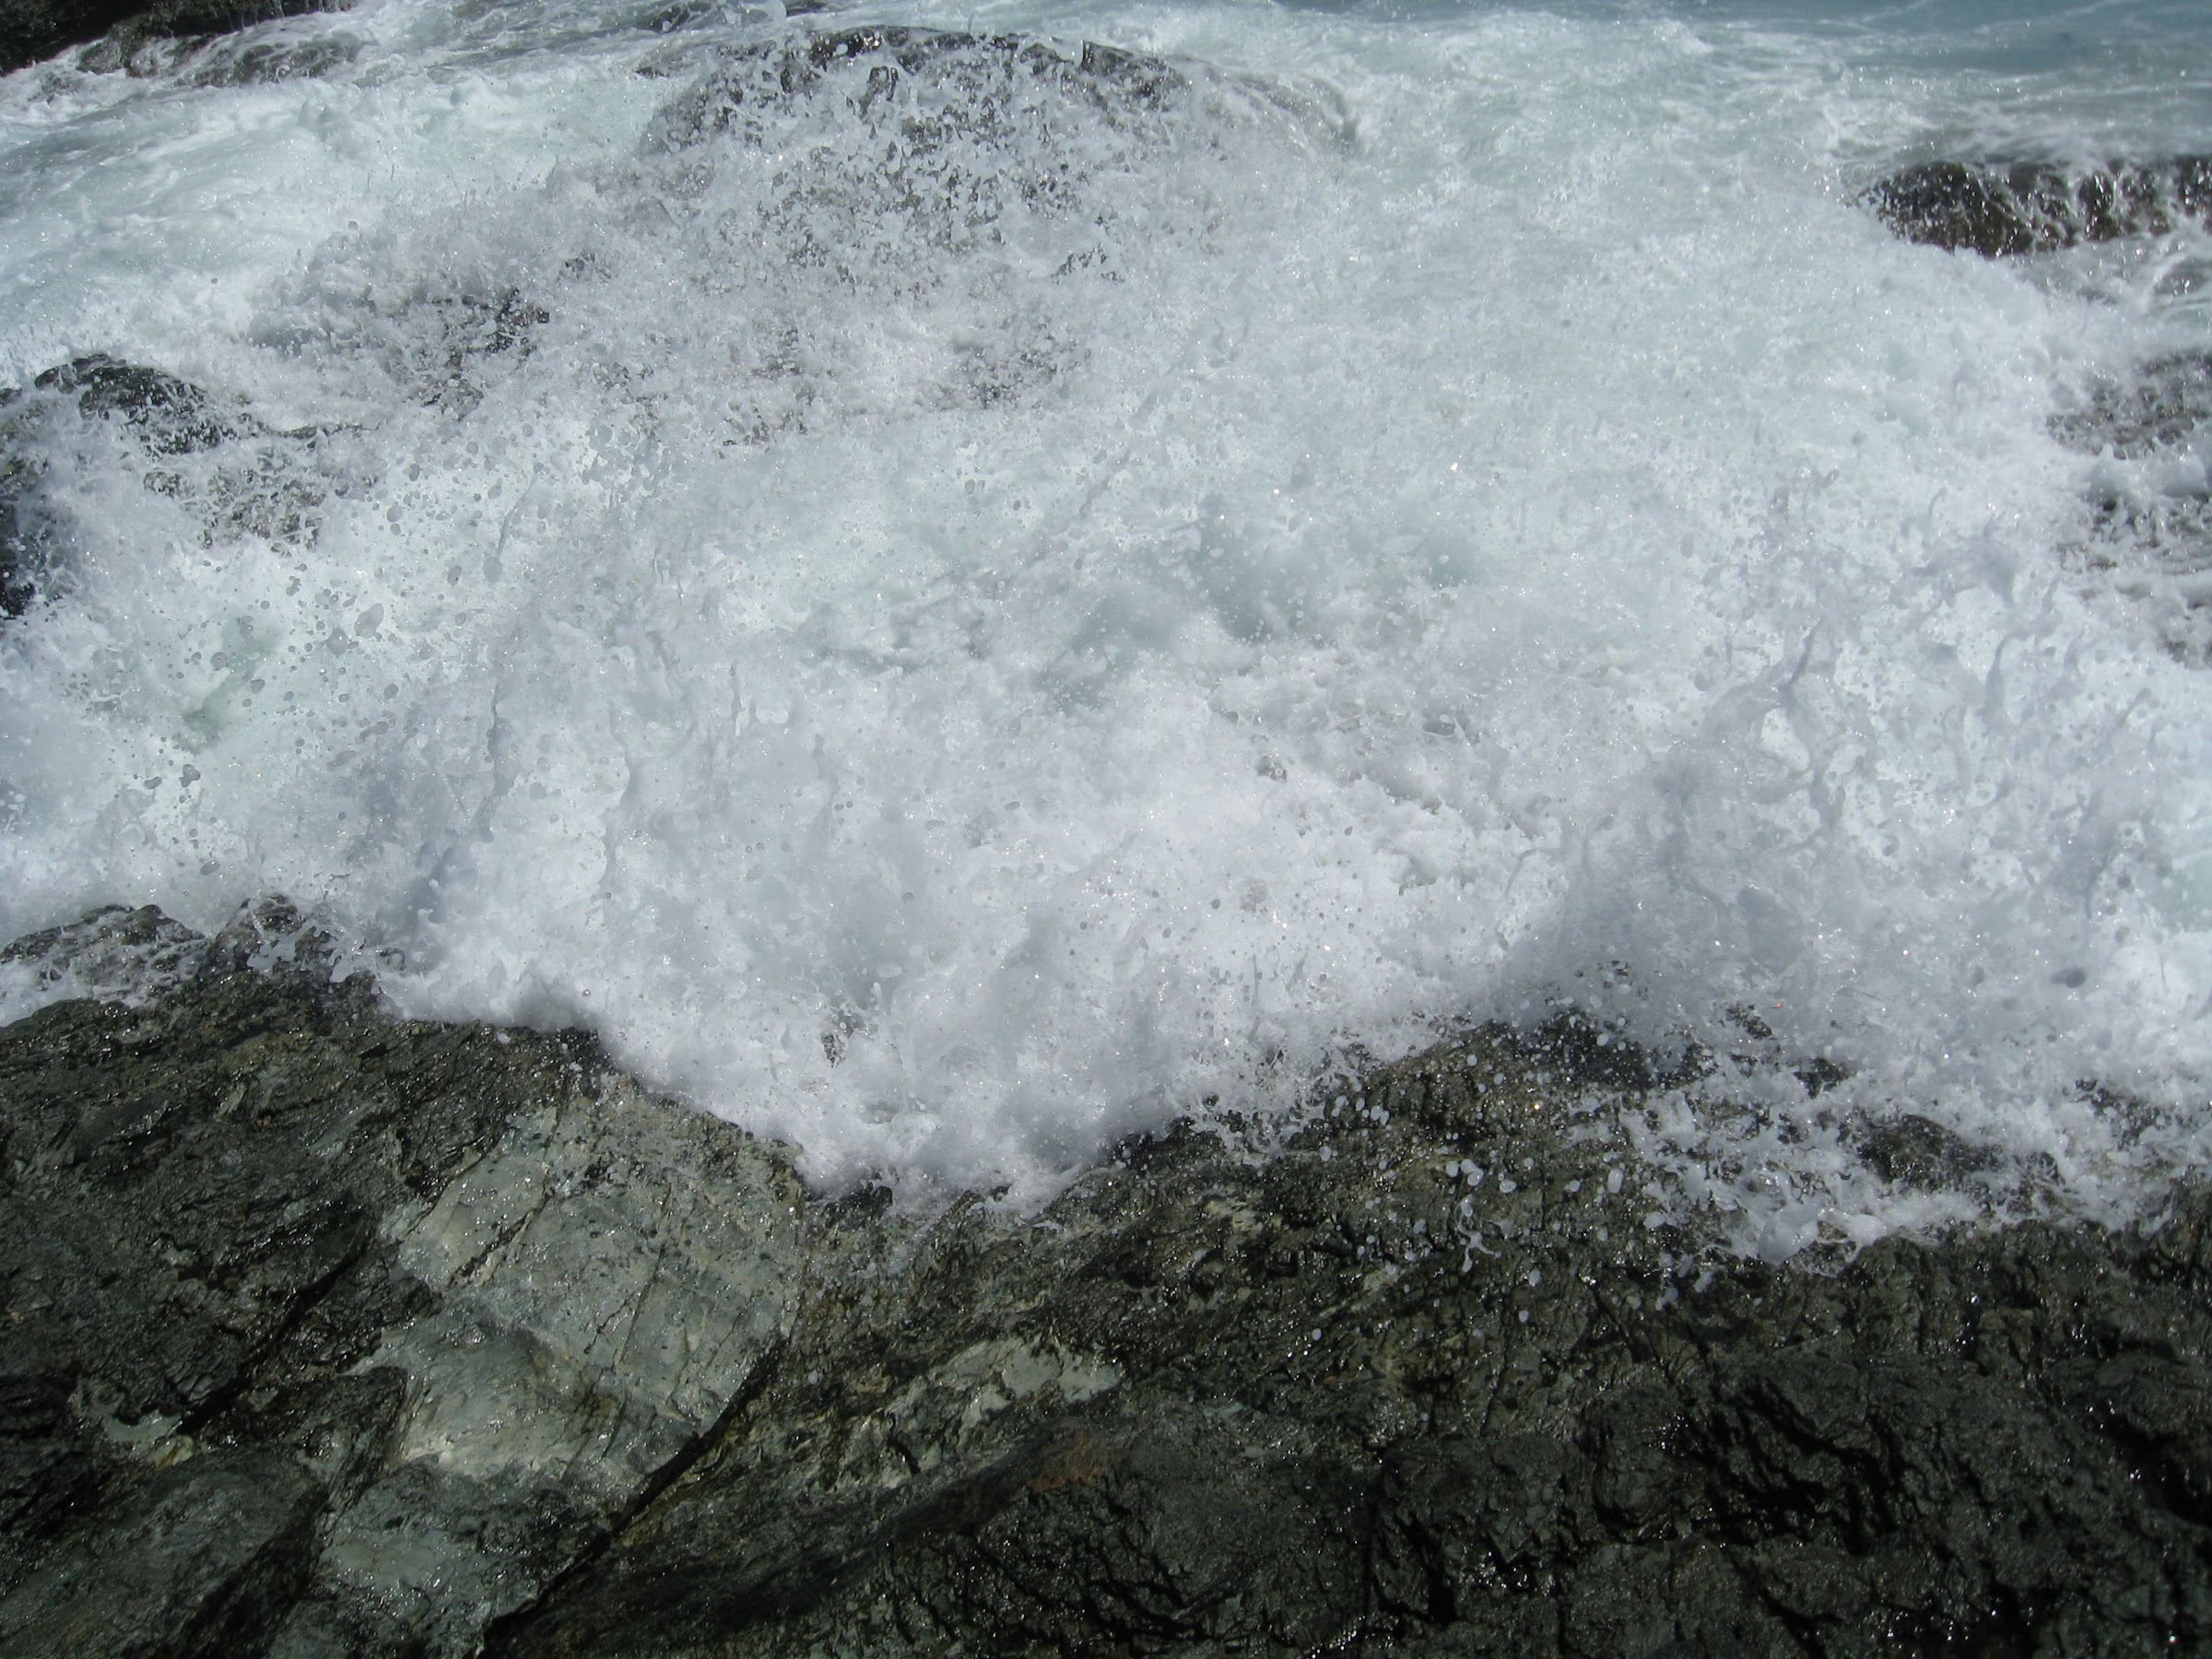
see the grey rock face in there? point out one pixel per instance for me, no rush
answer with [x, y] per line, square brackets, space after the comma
[1427, 1381]
[329, 1329]
[329, 1333]
[2034, 207]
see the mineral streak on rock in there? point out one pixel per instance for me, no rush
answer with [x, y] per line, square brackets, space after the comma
[332, 1334]
[2035, 207]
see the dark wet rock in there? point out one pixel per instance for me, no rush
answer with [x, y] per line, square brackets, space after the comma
[253, 58]
[242, 476]
[256, 61]
[31, 29]
[2155, 546]
[2163, 403]
[2149, 529]
[165, 416]
[332, 1334]
[985, 70]
[1915, 1151]
[2036, 208]
[188, 1560]
[322, 1323]
[442, 343]
[1357, 1395]
[474, 327]
[169, 417]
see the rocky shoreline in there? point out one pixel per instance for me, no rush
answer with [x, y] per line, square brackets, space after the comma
[333, 1334]
[329, 1333]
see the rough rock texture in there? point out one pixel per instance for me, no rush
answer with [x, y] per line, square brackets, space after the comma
[1425, 1383]
[330, 1333]
[2034, 207]
[2149, 527]
[31, 29]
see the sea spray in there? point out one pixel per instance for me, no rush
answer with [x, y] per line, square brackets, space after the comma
[952, 612]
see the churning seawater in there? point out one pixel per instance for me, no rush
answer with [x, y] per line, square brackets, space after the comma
[953, 613]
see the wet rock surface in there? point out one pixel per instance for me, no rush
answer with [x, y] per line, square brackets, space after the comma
[325, 1334]
[238, 475]
[332, 1334]
[31, 29]
[2036, 208]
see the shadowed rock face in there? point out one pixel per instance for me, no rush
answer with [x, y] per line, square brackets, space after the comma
[332, 1334]
[2031, 207]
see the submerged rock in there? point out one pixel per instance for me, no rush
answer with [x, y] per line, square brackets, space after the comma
[2150, 510]
[242, 476]
[334, 1334]
[2035, 207]
[973, 188]
[2162, 405]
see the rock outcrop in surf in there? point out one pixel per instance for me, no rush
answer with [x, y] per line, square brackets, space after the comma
[2004, 208]
[239, 475]
[330, 1332]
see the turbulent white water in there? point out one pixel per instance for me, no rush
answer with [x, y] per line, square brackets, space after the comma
[953, 618]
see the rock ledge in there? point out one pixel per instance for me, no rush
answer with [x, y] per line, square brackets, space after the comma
[332, 1334]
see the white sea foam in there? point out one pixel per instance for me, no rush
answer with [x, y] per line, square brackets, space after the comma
[1446, 513]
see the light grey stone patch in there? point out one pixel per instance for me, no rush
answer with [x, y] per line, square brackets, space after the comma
[610, 1275]
[611, 1271]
